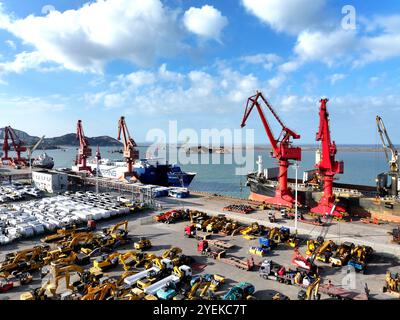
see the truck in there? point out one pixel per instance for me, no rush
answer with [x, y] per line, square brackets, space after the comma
[244, 264]
[177, 275]
[165, 263]
[190, 231]
[241, 291]
[266, 243]
[274, 271]
[211, 251]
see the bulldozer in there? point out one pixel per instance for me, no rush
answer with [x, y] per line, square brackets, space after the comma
[172, 253]
[142, 244]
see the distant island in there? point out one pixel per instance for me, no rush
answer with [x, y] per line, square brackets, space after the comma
[67, 140]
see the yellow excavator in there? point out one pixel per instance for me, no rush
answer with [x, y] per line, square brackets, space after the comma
[25, 260]
[312, 291]
[105, 262]
[100, 292]
[116, 232]
[36, 294]
[59, 273]
[171, 253]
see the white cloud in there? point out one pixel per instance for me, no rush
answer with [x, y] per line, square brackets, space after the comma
[191, 92]
[22, 62]
[267, 60]
[290, 66]
[326, 46]
[34, 105]
[11, 44]
[287, 16]
[100, 31]
[336, 77]
[206, 22]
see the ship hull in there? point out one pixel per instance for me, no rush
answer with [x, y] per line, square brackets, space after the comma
[359, 200]
[43, 166]
[160, 175]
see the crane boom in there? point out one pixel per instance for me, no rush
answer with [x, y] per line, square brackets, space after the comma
[17, 144]
[388, 146]
[131, 154]
[84, 151]
[282, 149]
[392, 157]
[327, 166]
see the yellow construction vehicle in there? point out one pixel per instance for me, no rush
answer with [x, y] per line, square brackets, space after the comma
[133, 294]
[279, 296]
[142, 244]
[312, 245]
[147, 281]
[105, 262]
[59, 273]
[392, 285]
[36, 294]
[115, 235]
[359, 257]
[216, 282]
[60, 234]
[101, 292]
[195, 286]
[24, 260]
[325, 251]
[64, 259]
[128, 260]
[312, 291]
[79, 240]
[171, 253]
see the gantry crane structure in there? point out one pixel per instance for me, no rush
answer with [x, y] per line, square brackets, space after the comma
[327, 166]
[282, 149]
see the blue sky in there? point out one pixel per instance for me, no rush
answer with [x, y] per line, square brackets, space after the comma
[196, 62]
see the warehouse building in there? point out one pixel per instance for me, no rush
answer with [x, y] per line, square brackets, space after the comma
[50, 181]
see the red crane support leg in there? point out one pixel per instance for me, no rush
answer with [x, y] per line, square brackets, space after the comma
[283, 195]
[327, 201]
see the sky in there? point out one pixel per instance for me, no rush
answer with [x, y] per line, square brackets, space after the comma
[196, 62]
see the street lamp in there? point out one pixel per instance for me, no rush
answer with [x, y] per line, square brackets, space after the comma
[296, 167]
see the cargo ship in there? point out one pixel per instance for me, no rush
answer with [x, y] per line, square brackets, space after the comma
[359, 200]
[147, 171]
[44, 161]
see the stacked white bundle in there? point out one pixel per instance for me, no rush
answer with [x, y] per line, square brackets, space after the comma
[37, 216]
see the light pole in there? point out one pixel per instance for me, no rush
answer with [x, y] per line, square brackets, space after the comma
[296, 167]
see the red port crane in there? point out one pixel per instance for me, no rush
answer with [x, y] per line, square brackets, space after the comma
[17, 144]
[327, 166]
[282, 149]
[84, 151]
[131, 154]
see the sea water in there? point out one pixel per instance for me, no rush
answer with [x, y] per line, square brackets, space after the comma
[216, 175]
